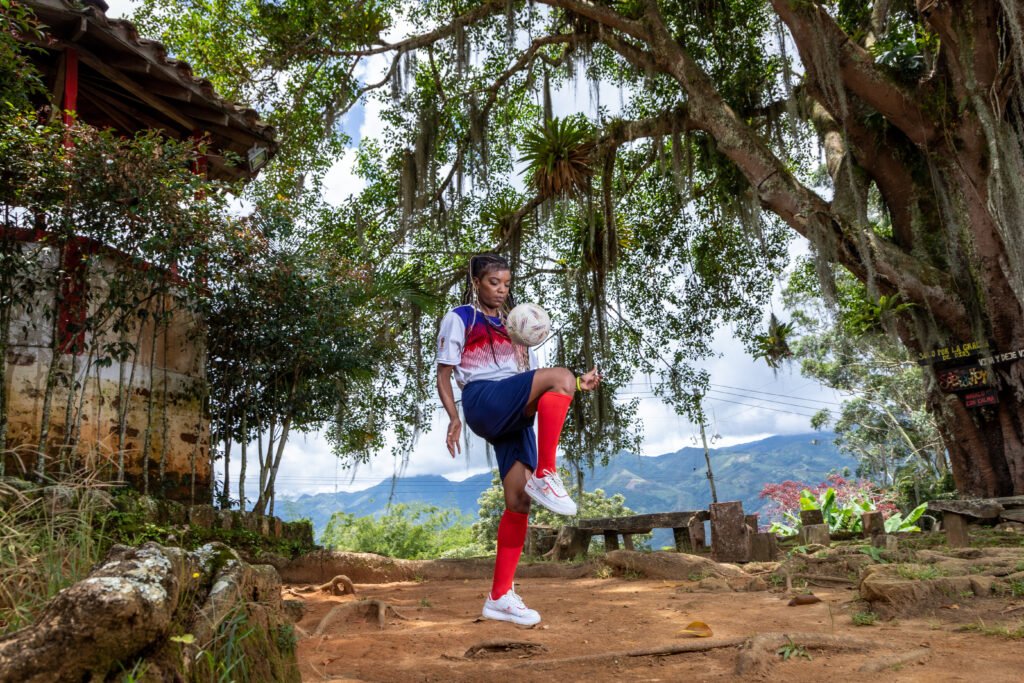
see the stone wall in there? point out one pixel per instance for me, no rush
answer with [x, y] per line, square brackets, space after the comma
[163, 381]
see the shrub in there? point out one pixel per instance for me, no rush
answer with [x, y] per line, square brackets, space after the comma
[404, 531]
[841, 501]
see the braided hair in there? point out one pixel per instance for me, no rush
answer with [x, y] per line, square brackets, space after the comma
[479, 266]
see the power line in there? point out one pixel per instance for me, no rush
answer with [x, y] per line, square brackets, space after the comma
[774, 410]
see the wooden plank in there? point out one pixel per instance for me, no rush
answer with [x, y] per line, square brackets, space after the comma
[638, 524]
[611, 541]
[145, 119]
[119, 118]
[956, 530]
[171, 90]
[98, 65]
[978, 509]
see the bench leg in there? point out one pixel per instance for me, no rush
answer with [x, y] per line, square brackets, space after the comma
[956, 530]
[611, 541]
[682, 537]
[628, 540]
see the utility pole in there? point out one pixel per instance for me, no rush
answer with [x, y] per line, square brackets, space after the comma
[707, 458]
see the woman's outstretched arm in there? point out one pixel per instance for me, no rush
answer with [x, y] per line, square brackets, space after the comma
[447, 396]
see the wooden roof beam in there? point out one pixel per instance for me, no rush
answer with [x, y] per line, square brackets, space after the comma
[97, 64]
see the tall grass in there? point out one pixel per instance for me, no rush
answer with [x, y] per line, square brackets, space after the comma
[48, 540]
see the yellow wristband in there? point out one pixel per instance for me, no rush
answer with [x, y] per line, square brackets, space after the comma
[578, 387]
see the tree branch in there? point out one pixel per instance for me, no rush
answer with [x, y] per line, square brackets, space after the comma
[431, 37]
[812, 27]
[603, 15]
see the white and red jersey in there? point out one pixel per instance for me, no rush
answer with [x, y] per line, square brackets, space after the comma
[479, 347]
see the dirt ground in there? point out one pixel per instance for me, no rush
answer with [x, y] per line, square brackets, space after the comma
[593, 616]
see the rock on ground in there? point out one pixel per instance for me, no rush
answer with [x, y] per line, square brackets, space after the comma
[162, 613]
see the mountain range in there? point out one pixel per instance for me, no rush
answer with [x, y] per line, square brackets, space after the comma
[663, 483]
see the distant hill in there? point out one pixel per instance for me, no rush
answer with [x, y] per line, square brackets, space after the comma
[674, 481]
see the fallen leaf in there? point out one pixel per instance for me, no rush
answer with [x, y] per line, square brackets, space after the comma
[696, 629]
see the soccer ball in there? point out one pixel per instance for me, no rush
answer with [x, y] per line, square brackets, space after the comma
[528, 324]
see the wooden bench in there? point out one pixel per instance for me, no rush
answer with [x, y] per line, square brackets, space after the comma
[687, 528]
[957, 514]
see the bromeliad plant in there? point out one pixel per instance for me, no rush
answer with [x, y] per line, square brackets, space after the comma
[557, 156]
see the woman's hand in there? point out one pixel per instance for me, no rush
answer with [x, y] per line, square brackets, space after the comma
[454, 433]
[589, 381]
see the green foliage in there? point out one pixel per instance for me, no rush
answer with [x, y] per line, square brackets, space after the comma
[47, 542]
[793, 650]
[864, 618]
[19, 80]
[919, 572]
[898, 523]
[773, 345]
[884, 421]
[557, 156]
[410, 532]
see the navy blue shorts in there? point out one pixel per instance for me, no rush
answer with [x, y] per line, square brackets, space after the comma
[494, 411]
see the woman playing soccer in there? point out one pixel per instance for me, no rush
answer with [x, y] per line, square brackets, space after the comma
[502, 391]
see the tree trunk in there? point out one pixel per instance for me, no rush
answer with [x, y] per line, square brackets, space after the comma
[51, 379]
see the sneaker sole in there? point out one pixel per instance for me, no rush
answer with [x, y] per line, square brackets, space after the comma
[505, 616]
[538, 498]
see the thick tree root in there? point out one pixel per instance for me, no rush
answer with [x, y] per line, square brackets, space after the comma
[339, 585]
[363, 608]
[758, 657]
[882, 663]
[494, 646]
[820, 579]
[665, 650]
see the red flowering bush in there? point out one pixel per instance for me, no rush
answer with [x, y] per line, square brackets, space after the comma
[849, 499]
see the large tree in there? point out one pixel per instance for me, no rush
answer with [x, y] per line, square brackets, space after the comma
[917, 108]
[919, 104]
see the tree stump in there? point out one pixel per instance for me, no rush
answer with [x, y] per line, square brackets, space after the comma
[764, 547]
[872, 523]
[571, 542]
[730, 535]
[815, 534]
[627, 540]
[956, 530]
[809, 517]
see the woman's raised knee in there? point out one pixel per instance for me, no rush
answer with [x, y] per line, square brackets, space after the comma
[563, 381]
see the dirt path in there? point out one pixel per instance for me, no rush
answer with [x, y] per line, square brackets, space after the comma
[590, 616]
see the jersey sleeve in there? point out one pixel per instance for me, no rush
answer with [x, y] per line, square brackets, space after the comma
[450, 339]
[534, 364]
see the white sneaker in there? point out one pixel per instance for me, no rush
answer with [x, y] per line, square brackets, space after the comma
[510, 607]
[549, 491]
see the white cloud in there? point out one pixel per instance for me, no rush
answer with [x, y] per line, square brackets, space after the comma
[120, 8]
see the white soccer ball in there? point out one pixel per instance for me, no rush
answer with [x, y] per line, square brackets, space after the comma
[528, 324]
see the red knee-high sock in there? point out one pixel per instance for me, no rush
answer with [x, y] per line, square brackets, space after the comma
[551, 411]
[511, 536]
